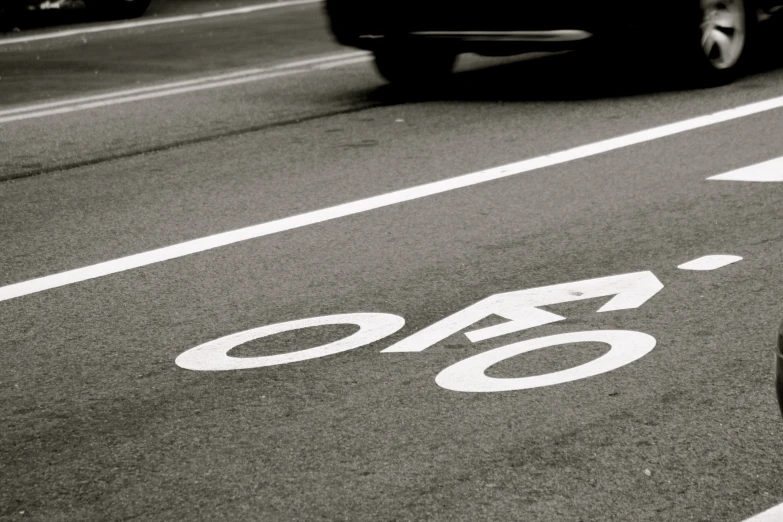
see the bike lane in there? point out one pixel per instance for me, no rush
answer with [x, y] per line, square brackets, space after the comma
[104, 420]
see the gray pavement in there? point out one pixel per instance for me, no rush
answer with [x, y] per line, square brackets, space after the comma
[101, 424]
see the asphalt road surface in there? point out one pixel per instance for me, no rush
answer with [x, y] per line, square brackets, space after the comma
[518, 298]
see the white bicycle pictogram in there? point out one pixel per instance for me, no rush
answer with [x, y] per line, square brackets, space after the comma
[519, 308]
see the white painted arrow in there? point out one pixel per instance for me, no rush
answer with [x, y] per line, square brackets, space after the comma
[770, 172]
[520, 308]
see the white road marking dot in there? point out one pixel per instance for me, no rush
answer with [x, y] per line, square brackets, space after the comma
[770, 172]
[469, 375]
[384, 200]
[774, 514]
[709, 262]
[146, 22]
[213, 356]
[168, 89]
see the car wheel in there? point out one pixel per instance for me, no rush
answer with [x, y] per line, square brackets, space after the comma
[718, 51]
[117, 9]
[413, 67]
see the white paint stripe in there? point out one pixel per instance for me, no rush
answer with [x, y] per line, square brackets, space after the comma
[768, 171]
[195, 81]
[709, 262]
[355, 207]
[146, 93]
[154, 21]
[774, 514]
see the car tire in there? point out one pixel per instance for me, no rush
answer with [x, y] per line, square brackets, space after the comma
[117, 9]
[713, 46]
[414, 67]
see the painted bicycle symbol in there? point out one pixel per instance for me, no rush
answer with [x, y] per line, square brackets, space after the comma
[521, 309]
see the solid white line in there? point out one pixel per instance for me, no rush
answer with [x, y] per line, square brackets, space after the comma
[774, 514]
[169, 89]
[154, 21]
[770, 172]
[195, 81]
[392, 198]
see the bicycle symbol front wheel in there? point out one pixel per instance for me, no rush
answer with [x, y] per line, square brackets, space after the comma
[469, 375]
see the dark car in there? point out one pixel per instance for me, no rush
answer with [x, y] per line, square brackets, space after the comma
[779, 368]
[416, 41]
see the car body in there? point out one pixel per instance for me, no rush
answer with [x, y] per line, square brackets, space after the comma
[419, 39]
[507, 26]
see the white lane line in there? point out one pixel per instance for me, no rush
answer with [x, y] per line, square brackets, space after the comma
[768, 171]
[709, 262]
[384, 200]
[195, 81]
[169, 89]
[154, 21]
[774, 514]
